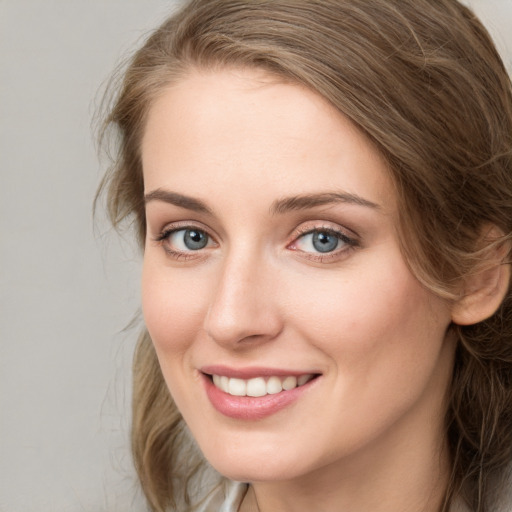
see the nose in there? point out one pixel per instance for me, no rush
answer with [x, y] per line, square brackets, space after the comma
[243, 310]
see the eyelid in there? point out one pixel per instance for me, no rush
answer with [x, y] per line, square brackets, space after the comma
[315, 226]
[174, 227]
[182, 224]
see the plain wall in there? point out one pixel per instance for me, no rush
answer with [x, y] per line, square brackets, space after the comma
[66, 292]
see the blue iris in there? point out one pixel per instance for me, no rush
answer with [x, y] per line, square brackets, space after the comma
[324, 241]
[195, 239]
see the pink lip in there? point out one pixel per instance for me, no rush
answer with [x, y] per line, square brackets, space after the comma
[251, 408]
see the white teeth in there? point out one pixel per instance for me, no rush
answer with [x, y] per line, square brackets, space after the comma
[259, 386]
[224, 383]
[256, 387]
[237, 387]
[274, 386]
[289, 383]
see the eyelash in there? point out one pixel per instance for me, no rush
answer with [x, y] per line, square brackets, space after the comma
[349, 242]
[176, 254]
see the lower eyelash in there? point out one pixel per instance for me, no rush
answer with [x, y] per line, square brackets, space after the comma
[329, 256]
[179, 255]
[160, 238]
[351, 244]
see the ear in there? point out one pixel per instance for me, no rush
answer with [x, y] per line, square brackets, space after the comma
[485, 290]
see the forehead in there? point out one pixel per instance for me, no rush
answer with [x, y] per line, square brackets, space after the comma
[246, 131]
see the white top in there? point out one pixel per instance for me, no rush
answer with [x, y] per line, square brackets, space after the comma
[227, 498]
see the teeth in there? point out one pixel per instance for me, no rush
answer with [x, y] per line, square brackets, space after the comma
[274, 386]
[256, 387]
[237, 387]
[289, 383]
[259, 386]
[303, 379]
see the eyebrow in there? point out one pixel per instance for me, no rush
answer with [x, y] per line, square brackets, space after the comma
[280, 206]
[303, 202]
[176, 199]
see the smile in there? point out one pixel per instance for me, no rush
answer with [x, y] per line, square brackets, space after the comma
[259, 386]
[253, 394]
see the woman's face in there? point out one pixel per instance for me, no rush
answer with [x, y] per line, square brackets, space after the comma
[272, 269]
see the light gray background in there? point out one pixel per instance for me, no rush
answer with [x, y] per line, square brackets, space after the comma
[66, 292]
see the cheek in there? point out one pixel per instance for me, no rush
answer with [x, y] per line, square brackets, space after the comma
[173, 314]
[371, 317]
[172, 307]
[384, 337]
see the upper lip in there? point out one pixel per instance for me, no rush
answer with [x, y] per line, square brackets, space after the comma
[252, 372]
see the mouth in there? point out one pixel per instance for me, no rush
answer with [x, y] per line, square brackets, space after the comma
[259, 386]
[255, 394]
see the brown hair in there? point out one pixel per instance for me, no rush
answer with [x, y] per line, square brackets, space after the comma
[423, 80]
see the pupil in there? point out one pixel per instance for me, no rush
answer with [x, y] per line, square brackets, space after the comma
[325, 242]
[195, 240]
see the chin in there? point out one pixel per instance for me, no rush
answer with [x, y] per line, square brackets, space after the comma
[246, 465]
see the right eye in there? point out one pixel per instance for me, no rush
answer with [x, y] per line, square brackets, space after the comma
[185, 240]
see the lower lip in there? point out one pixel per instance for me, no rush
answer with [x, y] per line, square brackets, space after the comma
[252, 408]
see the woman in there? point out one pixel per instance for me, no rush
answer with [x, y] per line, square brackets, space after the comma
[323, 191]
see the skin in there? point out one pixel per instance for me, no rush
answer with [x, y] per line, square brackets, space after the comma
[368, 432]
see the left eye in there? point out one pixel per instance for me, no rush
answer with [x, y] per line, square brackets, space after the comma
[319, 241]
[185, 240]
